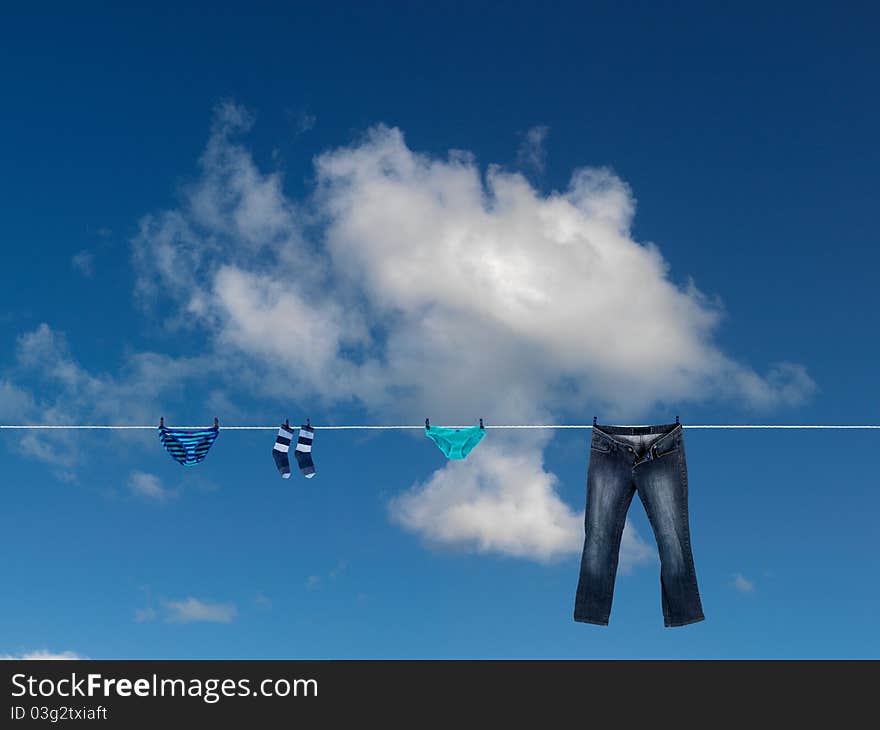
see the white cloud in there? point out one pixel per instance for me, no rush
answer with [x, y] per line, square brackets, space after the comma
[531, 151]
[432, 286]
[464, 265]
[499, 501]
[131, 394]
[191, 610]
[42, 654]
[428, 285]
[427, 268]
[83, 262]
[502, 500]
[149, 486]
[62, 391]
[742, 584]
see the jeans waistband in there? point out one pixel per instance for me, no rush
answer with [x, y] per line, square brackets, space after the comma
[637, 430]
[663, 432]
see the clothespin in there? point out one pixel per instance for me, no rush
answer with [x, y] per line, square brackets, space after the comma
[216, 422]
[162, 422]
[594, 420]
[308, 422]
[676, 420]
[481, 424]
[287, 423]
[428, 423]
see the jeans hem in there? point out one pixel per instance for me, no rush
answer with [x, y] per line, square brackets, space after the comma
[588, 620]
[685, 622]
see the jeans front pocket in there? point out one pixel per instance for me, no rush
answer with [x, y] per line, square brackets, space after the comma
[600, 445]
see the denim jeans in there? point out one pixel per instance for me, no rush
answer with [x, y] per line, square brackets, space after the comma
[649, 460]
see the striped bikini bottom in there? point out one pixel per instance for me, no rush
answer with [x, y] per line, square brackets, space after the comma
[188, 446]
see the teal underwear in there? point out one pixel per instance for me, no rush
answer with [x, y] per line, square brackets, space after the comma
[455, 443]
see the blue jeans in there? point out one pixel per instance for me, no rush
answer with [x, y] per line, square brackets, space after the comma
[649, 460]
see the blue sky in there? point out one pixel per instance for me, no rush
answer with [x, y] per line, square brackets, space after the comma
[382, 213]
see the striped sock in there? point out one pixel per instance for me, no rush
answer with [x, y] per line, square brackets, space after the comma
[304, 451]
[279, 451]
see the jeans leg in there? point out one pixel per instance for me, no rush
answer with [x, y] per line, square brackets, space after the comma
[662, 487]
[610, 490]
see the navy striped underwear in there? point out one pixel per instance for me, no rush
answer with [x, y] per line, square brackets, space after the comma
[188, 446]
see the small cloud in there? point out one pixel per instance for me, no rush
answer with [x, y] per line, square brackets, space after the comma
[313, 581]
[42, 654]
[83, 262]
[149, 487]
[145, 615]
[191, 610]
[263, 602]
[785, 384]
[531, 151]
[742, 584]
[303, 122]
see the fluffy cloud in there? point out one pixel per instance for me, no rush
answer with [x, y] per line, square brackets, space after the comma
[502, 500]
[476, 270]
[431, 283]
[191, 610]
[499, 500]
[414, 284]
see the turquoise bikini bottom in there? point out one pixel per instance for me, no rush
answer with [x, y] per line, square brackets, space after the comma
[455, 443]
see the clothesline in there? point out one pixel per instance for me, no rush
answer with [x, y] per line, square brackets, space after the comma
[361, 427]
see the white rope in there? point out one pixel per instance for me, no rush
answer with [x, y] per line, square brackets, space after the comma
[389, 427]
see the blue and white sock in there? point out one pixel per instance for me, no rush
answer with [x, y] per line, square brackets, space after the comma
[304, 451]
[279, 451]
